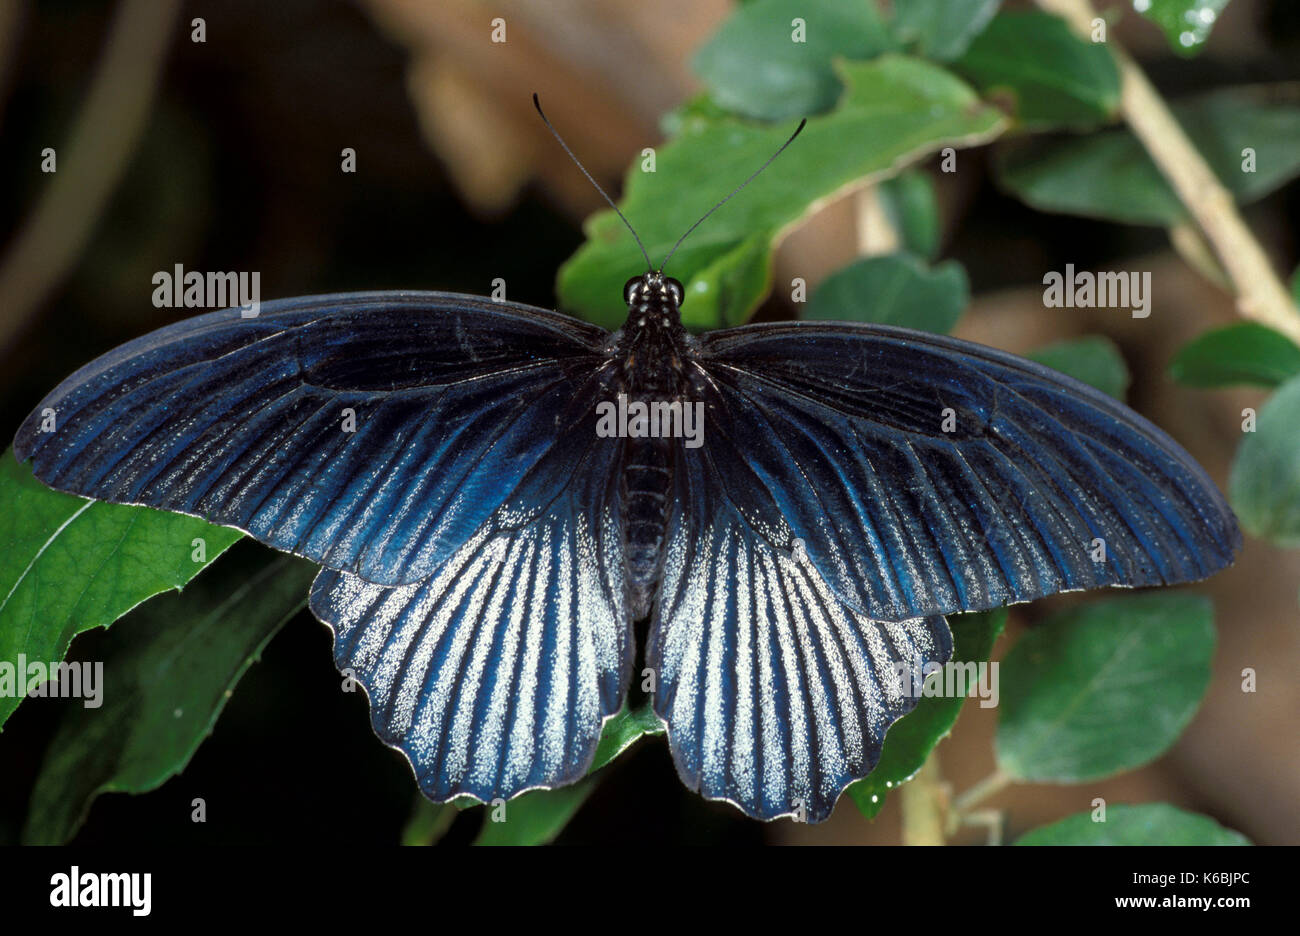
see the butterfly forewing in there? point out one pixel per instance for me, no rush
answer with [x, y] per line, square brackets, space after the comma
[374, 433]
[928, 475]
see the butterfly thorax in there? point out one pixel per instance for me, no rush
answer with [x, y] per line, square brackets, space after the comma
[652, 349]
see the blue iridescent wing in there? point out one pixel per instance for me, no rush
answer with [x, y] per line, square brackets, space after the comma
[928, 475]
[244, 422]
[495, 674]
[776, 695]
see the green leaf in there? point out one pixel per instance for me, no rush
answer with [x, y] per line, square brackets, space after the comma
[942, 29]
[1186, 23]
[535, 818]
[169, 669]
[912, 208]
[1094, 359]
[1264, 486]
[893, 290]
[755, 64]
[68, 564]
[1244, 353]
[912, 738]
[894, 111]
[1103, 688]
[624, 730]
[1109, 175]
[428, 821]
[1144, 824]
[1054, 78]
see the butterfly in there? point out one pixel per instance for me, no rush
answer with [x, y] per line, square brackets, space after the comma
[489, 531]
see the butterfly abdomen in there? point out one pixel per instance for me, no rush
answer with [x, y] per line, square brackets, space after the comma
[647, 480]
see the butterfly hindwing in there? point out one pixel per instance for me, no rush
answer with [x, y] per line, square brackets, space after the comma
[374, 433]
[776, 695]
[928, 475]
[495, 674]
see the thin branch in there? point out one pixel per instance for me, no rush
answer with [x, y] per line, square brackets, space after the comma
[1260, 293]
[924, 800]
[981, 791]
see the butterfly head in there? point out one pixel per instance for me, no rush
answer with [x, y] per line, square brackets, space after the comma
[652, 293]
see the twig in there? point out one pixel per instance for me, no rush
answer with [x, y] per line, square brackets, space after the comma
[924, 799]
[988, 819]
[91, 161]
[981, 791]
[1260, 293]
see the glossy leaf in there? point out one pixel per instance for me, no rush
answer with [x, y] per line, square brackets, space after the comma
[772, 58]
[623, 730]
[1143, 824]
[1264, 486]
[894, 290]
[1094, 359]
[1053, 78]
[1104, 687]
[169, 670]
[428, 821]
[942, 29]
[68, 564]
[1244, 353]
[1186, 23]
[913, 209]
[895, 111]
[1109, 174]
[914, 736]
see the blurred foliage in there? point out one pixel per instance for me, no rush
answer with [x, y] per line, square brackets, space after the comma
[1051, 77]
[1264, 486]
[898, 289]
[1103, 688]
[1109, 175]
[1093, 359]
[1145, 824]
[1186, 23]
[1245, 353]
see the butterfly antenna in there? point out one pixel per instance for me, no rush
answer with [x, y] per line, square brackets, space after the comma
[559, 139]
[797, 131]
